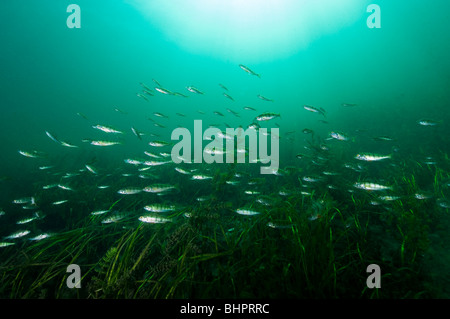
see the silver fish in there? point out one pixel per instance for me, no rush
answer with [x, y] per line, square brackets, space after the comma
[247, 212]
[65, 187]
[158, 143]
[60, 202]
[158, 188]
[40, 237]
[182, 171]
[99, 212]
[248, 70]
[107, 129]
[32, 154]
[267, 116]
[163, 91]
[160, 115]
[371, 157]
[199, 177]
[160, 208]
[63, 143]
[137, 133]
[427, 122]
[152, 219]
[264, 98]
[91, 169]
[24, 200]
[26, 220]
[156, 163]
[5, 244]
[142, 96]
[113, 218]
[314, 109]
[228, 96]
[339, 136]
[18, 234]
[104, 143]
[194, 90]
[129, 191]
[368, 186]
[132, 161]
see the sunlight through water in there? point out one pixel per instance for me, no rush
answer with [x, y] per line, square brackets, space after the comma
[250, 30]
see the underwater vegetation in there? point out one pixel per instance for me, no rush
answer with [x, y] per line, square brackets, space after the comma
[315, 245]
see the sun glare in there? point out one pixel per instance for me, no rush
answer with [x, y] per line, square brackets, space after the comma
[250, 30]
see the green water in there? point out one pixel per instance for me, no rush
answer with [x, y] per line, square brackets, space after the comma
[64, 81]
